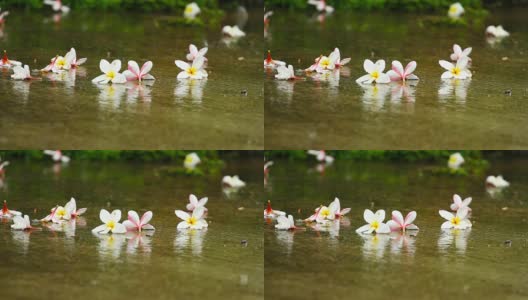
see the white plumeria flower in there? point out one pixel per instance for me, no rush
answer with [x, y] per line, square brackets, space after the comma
[321, 6]
[62, 63]
[57, 156]
[458, 71]
[71, 56]
[21, 73]
[458, 53]
[233, 181]
[57, 5]
[191, 10]
[137, 224]
[327, 63]
[2, 16]
[21, 223]
[8, 63]
[321, 156]
[135, 73]
[272, 213]
[267, 17]
[497, 181]
[191, 160]
[111, 222]
[71, 206]
[285, 73]
[285, 223]
[458, 203]
[399, 223]
[8, 213]
[337, 55]
[233, 31]
[336, 207]
[325, 213]
[111, 72]
[192, 71]
[313, 67]
[269, 62]
[455, 160]
[375, 72]
[194, 53]
[192, 221]
[455, 10]
[194, 203]
[399, 73]
[458, 221]
[496, 31]
[375, 222]
[62, 213]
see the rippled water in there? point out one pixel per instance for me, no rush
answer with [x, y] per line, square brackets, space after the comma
[69, 111]
[335, 262]
[70, 261]
[334, 112]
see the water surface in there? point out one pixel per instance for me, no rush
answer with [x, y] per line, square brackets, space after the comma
[335, 262]
[334, 112]
[169, 264]
[69, 111]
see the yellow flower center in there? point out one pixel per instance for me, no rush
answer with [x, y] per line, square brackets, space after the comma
[110, 225]
[452, 160]
[375, 75]
[455, 221]
[325, 62]
[325, 212]
[374, 225]
[456, 71]
[111, 74]
[192, 71]
[188, 160]
[61, 212]
[453, 9]
[60, 62]
[189, 10]
[192, 221]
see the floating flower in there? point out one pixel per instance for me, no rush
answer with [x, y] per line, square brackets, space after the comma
[2, 16]
[233, 181]
[327, 63]
[458, 53]
[71, 206]
[321, 6]
[191, 10]
[313, 67]
[455, 10]
[458, 221]
[7, 213]
[321, 156]
[272, 213]
[194, 203]
[497, 31]
[111, 72]
[399, 223]
[455, 160]
[399, 73]
[497, 182]
[375, 72]
[286, 73]
[338, 62]
[137, 224]
[335, 206]
[192, 221]
[233, 31]
[71, 56]
[191, 161]
[194, 53]
[21, 73]
[284, 223]
[272, 63]
[375, 222]
[192, 71]
[51, 66]
[57, 5]
[458, 203]
[57, 156]
[267, 17]
[21, 223]
[8, 63]
[111, 222]
[135, 73]
[458, 71]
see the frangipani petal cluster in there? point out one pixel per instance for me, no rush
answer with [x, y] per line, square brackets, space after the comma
[57, 156]
[398, 73]
[134, 223]
[233, 181]
[321, 156]
[374, 223]
[455, 161]
[134, 73]
[458, 203]
[374, 72]
[110, 222]
[195, 70]
[497, 181]
[398, 223]
[110, 72]
[191, 161]
[457, 221]
[194, 203]
[195, 220]
[285, 223]
[191, 10]
[21, 223]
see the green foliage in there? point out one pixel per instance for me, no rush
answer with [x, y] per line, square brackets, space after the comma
[402, 5]
[137, 5]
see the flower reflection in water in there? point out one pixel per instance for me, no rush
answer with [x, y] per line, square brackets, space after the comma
[110, 245]
[190, 88]
[456, 236]
[403, 241]
[21, 239]
[111, 94]
[139, 91]
[456, 88]
[189, 238]
[285, 239]
[374, 95]
[139, 241]
[21, 88]
[403, 90]
[374, 245]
